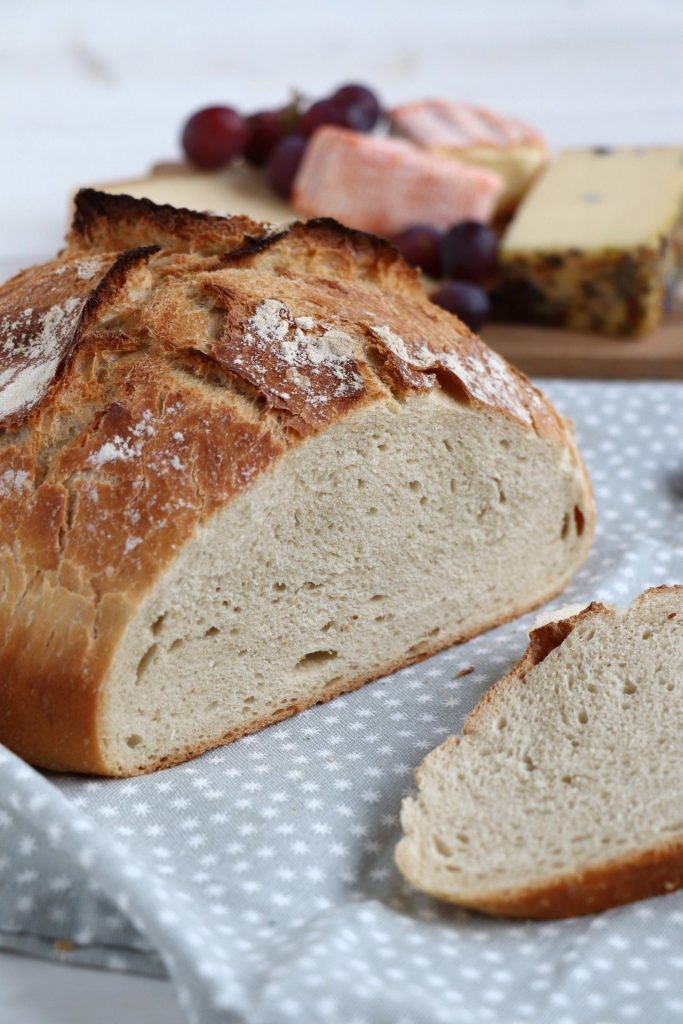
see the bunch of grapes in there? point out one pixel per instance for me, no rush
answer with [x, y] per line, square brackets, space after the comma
[275, 139]
[466, 256]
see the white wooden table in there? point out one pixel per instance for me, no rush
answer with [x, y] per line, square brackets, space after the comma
[94, 91]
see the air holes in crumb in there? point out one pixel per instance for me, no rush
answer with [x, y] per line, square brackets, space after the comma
[157, 625]
[313, 659]
[441, 847]
[145, 662]
[176, 644]
[212, 631]
[423, 499]
[133, 741]
[501, 723]
[447, 445]
[382, 447]
[279, 587]
[565, 527]
[378, 597]
[630, 688]
[361, 483]
[453, 486]
[415, 485]
[372, 511]
[583, 717]
[328, 626]
[647, 634]
[579, 520]
[529, 763]
[435, 631]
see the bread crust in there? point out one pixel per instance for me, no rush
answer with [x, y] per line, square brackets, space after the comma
[163, 390]
[621, 880]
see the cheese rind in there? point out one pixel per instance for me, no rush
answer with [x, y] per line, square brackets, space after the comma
[386, 185]
[598, 243]
[477, 137]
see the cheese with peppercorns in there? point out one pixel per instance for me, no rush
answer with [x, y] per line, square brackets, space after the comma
[597, 245]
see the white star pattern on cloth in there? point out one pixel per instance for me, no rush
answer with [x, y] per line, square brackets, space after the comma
[261, 876]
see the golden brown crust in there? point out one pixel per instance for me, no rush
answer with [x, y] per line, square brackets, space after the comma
[110, 223]
[635, 877]
[160, 364]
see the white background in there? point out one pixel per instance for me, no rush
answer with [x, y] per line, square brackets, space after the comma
[92, 91]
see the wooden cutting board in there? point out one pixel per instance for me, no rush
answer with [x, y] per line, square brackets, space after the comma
[538, 351]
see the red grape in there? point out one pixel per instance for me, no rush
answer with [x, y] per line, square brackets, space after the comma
[266, 129]
[469, 252]
[361, 97]
[283, 163]
[421, 246]
[214, 136]
[466, 300]
[328, 112]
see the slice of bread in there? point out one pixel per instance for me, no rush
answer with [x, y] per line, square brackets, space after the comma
[563, 795]
[243, 472]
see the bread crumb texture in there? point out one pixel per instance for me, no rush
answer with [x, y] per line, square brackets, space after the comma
[562, 796]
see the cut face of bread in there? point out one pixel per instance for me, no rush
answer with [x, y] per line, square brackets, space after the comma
[244, 472]
[563, 795]
[377, 558]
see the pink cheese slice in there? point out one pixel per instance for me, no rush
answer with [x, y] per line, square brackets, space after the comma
[440, 124]
[385, 185]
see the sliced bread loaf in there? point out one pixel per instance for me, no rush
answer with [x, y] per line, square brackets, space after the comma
[242, 472]
[564, 794]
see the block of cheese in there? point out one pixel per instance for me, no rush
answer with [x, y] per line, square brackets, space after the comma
[385, 185]
[477, 136]
[597, 243]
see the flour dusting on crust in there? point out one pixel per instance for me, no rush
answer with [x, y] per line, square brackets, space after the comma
[311, 348]
[13, 481]
[32, 345]
[483, 373]
[301, 363]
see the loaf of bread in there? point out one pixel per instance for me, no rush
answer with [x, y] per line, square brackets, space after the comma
[244, 471]
[563, 795]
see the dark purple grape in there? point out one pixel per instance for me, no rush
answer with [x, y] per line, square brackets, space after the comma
[328, 112]
[214, 136]
[421, 246]
[266, 129]
[469, 252]
[466, 300]
[283, 163]
[362, 97]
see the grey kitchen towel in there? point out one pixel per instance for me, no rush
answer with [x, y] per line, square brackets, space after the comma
[260, 877]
